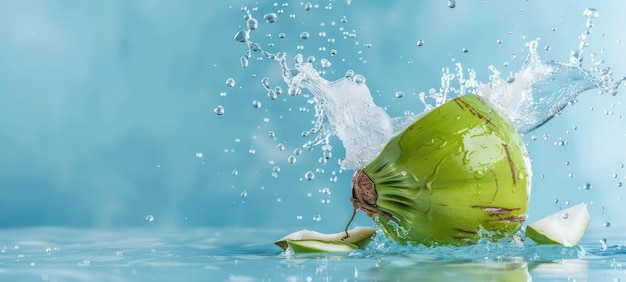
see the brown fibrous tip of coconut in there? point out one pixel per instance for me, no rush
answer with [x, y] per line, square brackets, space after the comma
[364, 198]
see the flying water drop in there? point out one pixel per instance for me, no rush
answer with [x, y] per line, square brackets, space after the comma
[270, 17]
[242, 36]
[252, 23]
[309, 175]
[219, 110]
[325, 63]
[230, 82]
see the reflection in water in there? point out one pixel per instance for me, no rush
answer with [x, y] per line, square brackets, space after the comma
[572, 269]
[405, 269]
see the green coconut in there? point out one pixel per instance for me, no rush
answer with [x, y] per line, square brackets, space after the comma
[459, 173]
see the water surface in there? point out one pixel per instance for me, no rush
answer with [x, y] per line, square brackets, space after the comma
[247, 254]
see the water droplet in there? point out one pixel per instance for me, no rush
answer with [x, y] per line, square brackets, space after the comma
[252, 23]
[244, 194]
[603, 244]
[304, 35]
[510, 79]
[327, 155]
[270, 18]
[451, 4]
[291, 159]
[564, 215]
[576, 57]
[244, 61]
[499, 41]
[297, 151]
[556, 201]
[591, 13]
[309, 175]
[235, 172]
[149, 218]
[265, 82]
[271, 134]
[242, 36]
[587, 186]
[325, 63]
[465, 50]
[294, 90]
[607, 224]
[359, 79]
[308, 6]
[219, 110]
[399, 94]
[420, 43]
[349, 74]
[256, 104]
[276, 169]
[199, 155]
[280, 147]
[281, 35]
[230, 82]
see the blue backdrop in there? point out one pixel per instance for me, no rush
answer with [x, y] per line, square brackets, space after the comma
[107, 107]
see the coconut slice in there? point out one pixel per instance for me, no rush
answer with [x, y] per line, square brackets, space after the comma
[565, 227]
[307, 241]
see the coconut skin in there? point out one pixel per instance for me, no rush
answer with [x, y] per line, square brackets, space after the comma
[459, 173]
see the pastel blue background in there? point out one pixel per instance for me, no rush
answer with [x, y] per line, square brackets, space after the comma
[105, 104]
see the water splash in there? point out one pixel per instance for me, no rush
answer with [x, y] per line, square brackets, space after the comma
[347, 104]
[539, 91]
[513, 247]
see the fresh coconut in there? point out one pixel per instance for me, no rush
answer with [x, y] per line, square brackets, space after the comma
[307, 241]
[459, 173]
[566, 227]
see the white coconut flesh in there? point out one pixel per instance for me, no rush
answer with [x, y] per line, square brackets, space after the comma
[321, 242]
[566, 227]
